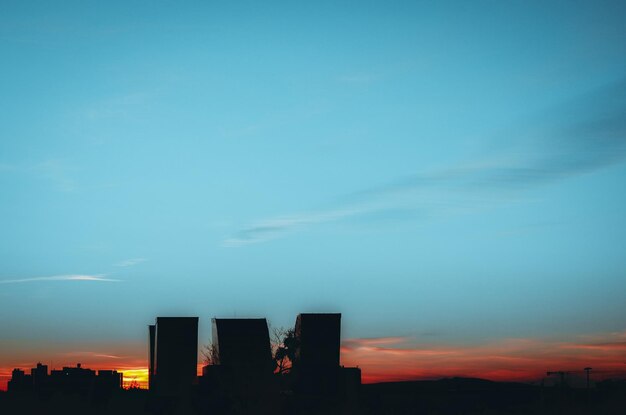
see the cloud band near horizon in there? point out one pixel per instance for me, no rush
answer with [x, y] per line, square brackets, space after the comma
[511, 359]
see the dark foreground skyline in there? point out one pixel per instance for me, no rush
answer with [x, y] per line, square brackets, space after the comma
[380, 359]
[244, 374]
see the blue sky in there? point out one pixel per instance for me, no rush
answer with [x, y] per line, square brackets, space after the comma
[449, 172]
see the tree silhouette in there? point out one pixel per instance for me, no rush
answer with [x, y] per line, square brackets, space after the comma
[284, 345]
[210, 355]
[134, 384]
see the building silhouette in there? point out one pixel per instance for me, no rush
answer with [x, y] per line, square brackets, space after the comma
[68, 381]
[318, 378]
[241, 373]
[151, 352]
[73, 379]
[319, 340]
[39, 375]
[19, 382]
[240, 378]
[242, 344]
[316, 366]
[173, 355]
[109, 379]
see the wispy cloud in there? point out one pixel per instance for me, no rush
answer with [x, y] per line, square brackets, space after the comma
[93, 354]
[274, 228]
[130, 262]
[552, 151]
[73, 277]
[351, 344]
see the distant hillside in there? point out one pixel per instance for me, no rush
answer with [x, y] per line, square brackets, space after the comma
[446, 384]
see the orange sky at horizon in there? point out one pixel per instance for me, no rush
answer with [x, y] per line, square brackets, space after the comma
[515, 359]
[392, 359]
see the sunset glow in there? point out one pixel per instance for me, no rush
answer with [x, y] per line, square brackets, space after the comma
[393, 359]
[388, 359]
[137, 375]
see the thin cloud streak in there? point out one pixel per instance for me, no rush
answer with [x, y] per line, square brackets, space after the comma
[96, 278]
[130, 262]
[274, 228]
[93, 354]
[597, 140]
[374, 341]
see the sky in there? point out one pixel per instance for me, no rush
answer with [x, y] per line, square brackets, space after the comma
[450, 176]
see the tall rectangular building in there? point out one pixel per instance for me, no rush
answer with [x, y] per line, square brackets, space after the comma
[173, 354]
[243, 343]
[151, 357]
[319, 338]
[316, 367]
[242, 372]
